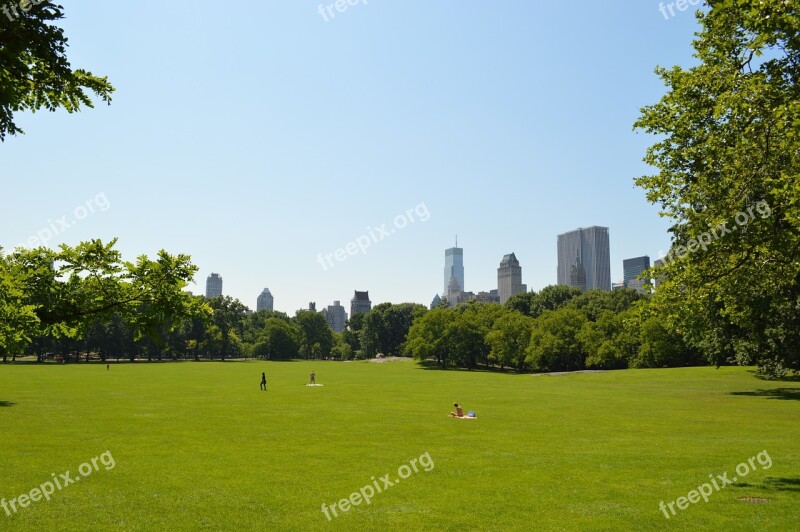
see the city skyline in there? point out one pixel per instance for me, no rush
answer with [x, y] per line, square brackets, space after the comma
[198, 185]
[589, 241]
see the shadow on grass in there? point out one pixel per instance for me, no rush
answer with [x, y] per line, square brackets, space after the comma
[774, 484]
[433, 366]
[782, 484]
[791, 394]
[786, 378]
[6, 403]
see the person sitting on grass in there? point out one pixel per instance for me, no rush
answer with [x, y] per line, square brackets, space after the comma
[459, 411]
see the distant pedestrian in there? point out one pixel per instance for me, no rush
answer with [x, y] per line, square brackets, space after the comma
[264, 381]
[107, 367]
[313, 378]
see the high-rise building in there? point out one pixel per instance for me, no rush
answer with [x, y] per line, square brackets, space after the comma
[509, 278]
[638, 285]
[488, 297]
[584, 258]
[265, 301]
[577, 274]
[659, 263]
[214, 286]
[336, 316]
[453, 290]
[436, 301]
[453, 267]
[360, 303]
[632, 268]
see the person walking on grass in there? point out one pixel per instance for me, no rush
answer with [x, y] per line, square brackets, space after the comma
[264, 381]
[313, 377]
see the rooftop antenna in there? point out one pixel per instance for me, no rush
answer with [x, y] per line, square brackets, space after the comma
[456, 240]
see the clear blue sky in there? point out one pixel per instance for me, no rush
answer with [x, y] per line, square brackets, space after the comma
[256, 135]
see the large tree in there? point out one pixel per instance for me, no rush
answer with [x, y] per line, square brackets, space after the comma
[65, 293]
[34, 70]
[728, 160]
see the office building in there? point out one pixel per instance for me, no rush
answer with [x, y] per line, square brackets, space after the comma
[360, 304]
[336, 316]
[488, 297]
[632, 268]
[265, 301]
[509, 278]
[214, 286]
[584, 258]
[453, 268]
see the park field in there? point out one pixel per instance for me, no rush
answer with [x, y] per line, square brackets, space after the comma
[197, 446]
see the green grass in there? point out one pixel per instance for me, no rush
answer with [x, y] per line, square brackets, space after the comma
[198, 446]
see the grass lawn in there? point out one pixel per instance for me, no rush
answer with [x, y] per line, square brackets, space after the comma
[199, 446]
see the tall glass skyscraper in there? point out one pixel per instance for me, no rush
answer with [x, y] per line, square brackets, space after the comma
[214, 286]
[454, 267]
[587, 250]
[265, 301]
[632, 268]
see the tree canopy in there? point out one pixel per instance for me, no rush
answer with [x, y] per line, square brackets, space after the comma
[34, 71]
[728, 157]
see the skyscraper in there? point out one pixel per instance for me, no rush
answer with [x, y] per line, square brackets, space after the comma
[453, 267]
[509, 278]
[584, 258]
[214, 286]
[336, 316]
[633, 267]
[360, 303]
[265, 301]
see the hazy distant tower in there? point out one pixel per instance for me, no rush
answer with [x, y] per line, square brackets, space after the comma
[336, 316]
[509, 278]
[265, 301]
[453, 267]
[214, 286]
[587, 250]
[360, 304]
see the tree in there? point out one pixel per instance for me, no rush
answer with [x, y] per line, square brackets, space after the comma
[317, 337]
[594, 303]
[341, 349]
[607, 343]
[509, 339]
[384, 328]
[18, 318]
[279, 340]
[71, 289]
[727, 162]
[522, 302]
[34, 70]
[228, 315]
[549, 298]
[427, 337]
[555, 344]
